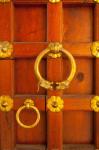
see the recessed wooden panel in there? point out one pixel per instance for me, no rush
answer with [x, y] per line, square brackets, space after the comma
[83, 80]
[78, 127]
[30, 147]
[25, 79]
[30, 23]
[78, 21]
[78, 147]
[35, 135]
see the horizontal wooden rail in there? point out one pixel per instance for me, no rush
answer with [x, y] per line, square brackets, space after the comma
[27, 50]
[45, 1]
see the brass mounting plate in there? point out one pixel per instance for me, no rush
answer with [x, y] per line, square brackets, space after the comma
[95, 49]
[55, 104]
[6, 49]
[54, 1]
[95, 103]
[4, 1]
[6, 103]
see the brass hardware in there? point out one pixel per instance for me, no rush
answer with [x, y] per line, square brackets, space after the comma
[6, 103]
[55, 104]
[28, 104]
[54, 48]
[95, 49]
[95, 103]
[96, 1]
[4, 1]
[54, 1]
[6, 49]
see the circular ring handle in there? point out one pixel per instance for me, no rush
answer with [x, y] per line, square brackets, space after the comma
[28, 104]
[54, 50]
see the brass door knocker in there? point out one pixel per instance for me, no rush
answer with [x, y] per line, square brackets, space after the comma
[28, 104]
[54, 50]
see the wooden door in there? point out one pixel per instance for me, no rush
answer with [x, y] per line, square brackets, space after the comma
[30, 25]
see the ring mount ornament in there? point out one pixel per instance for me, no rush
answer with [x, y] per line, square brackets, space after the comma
[95, 49]
[55, 104]
[6, 49]
[6, 103]
[28, 104]
[54, 1]
[54, 50]
[95, 103]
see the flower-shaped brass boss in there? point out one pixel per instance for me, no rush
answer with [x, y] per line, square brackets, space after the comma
[6, 49]
[6, 103]
[95, 103]
[54, 50]
[54, 1]
[55, 104]
[95, 49]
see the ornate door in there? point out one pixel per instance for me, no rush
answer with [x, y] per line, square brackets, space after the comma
[40, 107]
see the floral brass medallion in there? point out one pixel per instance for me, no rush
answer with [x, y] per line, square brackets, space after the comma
[55, 104]
[6, 49]
[95, 103]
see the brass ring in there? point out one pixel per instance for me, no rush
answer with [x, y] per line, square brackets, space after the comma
[28, 104]
[54, 49]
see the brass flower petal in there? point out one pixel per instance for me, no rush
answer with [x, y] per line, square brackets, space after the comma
[55, 104]
[95, 103]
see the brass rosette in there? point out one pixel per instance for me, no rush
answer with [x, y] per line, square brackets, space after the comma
[6, 103]
[54, 1]
[6, 49]
[55, 104]
[95, 49]
[95, 103]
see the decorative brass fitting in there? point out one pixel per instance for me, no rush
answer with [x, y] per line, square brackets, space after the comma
[54, 1]
[4, 1]
[95, 49]
[28, 104]
[6, 49]
[95, 103]
[55, 104]
[54, 50]
[96, 1]
[6, 103]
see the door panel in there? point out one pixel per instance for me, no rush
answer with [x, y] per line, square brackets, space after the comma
[80, 28]
[28, 82]
[30, 25]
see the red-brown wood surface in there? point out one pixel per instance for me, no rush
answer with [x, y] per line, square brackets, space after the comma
[55, 33]
[96, 38]
[31, 25]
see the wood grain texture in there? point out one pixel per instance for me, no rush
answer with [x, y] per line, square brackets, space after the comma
[55, 33]
[5, 22]
[77, 127]
[27, 83]
[30, 147]
[7, 136]
[45, 1]
[80, 28]
[30, 23]
[96, 38]
[30, 50]
[79, 147]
